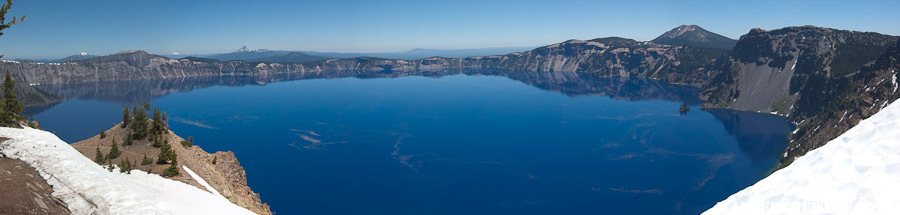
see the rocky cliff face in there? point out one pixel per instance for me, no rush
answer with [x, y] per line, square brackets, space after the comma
[800, 73]
[859, 96]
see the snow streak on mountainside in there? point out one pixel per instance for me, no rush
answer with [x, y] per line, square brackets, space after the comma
[88, 188]
[856, 173]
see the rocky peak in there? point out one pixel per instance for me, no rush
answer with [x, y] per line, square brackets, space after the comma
[243, 49]
[693, 35]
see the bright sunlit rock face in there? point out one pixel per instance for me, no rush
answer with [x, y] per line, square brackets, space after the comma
[856, 173]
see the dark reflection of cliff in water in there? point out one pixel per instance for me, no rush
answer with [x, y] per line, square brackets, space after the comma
[755, 132]
[568, 83]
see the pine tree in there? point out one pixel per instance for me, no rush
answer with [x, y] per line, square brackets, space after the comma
[165, 119]
[129, 165]
[109, 165]
[114, 151]
[102, 134]
[139, 123]
[126, 118]
[125, 166]
[128, 141]
[122, 166]
[158, 126]
[214, 159]
[146, 160]
[9, 116]
[157, 142]
[165, 154]
[172, 170]
[99, 158]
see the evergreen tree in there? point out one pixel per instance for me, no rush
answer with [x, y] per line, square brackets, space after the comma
[114, 151]
[146, 160]
[99, 158]
[214, 159]
[102, 134]
[128, 140]
[139, 124]
[9, 106]
[3, 23]
[129, 165]
[165, 154]
[126, 118]
[122, 166]
[157, 142]
[158, 126]
[165, 119]
[125, 166]
[172, 170]
[109, 165]
[9, 116]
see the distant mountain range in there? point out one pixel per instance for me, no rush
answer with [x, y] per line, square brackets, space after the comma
[416, 54]
[280, 56]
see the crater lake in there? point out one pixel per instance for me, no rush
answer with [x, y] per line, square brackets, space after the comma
[452, 142]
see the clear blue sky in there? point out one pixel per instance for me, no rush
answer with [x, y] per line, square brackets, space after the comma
[56, 28]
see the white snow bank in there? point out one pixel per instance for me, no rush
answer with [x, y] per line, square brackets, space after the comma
[88, 188]
[856, 173]
[201, 181]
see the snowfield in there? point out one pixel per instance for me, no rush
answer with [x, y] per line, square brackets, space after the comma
[856, 173]
[88, 188]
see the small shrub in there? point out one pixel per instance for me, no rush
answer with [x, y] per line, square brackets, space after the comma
[99, 158]
[146, 160]
[172, 170]
[114, 151]
[186, 144]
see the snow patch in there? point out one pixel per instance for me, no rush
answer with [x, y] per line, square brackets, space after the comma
[88, 188]
[856, 173]
[894, 80]
[794, 66]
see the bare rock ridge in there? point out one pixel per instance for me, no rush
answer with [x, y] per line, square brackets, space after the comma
[220, 169]
[797, 72]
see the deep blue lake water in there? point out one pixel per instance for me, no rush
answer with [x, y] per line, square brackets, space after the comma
[456, 144]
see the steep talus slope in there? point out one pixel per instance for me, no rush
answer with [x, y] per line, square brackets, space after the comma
[797, 72]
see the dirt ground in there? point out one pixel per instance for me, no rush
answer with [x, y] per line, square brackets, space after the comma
[24, 191]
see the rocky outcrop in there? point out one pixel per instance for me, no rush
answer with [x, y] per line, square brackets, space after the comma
[803, 73]
[860, 95]
[220, 169]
